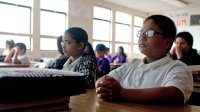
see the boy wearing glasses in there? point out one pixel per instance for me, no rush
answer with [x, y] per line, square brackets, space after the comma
[156, 78]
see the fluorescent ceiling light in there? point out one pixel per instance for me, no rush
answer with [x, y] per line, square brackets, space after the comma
[177, 3]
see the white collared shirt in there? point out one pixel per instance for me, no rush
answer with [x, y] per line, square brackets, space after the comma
[161, 73]
[69, 65]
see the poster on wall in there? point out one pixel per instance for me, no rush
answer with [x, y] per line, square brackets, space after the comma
[181, 19]
[195, 20]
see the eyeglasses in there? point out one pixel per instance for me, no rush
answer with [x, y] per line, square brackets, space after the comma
[65, 42]
[148, 33]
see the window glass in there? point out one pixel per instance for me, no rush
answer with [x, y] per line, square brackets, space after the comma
[122, 33]
[101, 30]
[52, 24]
[122, 17]
[19, 2]
[23, 39]
[136, 49]
[56, 5]
[138, 21]
[48, 44]
[102, 13]
[14, 19]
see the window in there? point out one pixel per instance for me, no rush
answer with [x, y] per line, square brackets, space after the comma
[102, 26]
[15, 21]
[138, 23]
[53, 22]
[123, 31]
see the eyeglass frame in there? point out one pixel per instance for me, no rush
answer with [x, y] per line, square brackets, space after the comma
[145, 33]
[65, 42]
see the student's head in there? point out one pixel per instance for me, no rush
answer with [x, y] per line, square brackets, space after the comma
[100, 50]
[75, 42]
[21, 47]
[156, 36]
[120, 50]
[10, 44]
[184, 40]
[59, 46]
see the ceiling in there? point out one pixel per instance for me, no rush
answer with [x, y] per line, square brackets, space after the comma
[155, 6]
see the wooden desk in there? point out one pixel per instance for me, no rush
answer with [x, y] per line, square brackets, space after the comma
[115, 65]
[11, 65]
[90, 103]
[195, 68]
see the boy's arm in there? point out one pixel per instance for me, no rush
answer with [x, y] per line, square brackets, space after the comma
[15, 59]
[8, 58]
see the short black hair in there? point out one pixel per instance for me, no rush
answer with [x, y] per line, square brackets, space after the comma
[59, 46]
[100, 47]
[166, 25]
[21, 46]
[186, 36]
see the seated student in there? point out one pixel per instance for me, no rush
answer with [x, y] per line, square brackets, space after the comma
[107, 55]
[9, 45]
[154, 79]
[120, 57]
[183, 50]
[103, 63]
[18, 53]
[59, 61]
[81, 54]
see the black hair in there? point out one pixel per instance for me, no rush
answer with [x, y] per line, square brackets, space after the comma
[11, 43]
[166, 25]
[21, 46]
[107, 49]
[122, 49]
[100, 47]
[187, 37]
[59, 46]
[80, 35]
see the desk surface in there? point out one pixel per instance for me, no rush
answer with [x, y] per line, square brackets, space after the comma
[90, 103]
[11, 65]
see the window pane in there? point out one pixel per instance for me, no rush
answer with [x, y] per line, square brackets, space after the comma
[135, 38]
[14, 19]
[20, 2]
[48, 44]
[56, 5]
[136, 49]
[102, 13]
[138, 21]
[107, 44]
[52, 24]
[101, 30]
[23, 39]
[122, 33]
[123, 17]
[125, 46]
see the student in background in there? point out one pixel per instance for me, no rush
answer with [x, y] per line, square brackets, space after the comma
[120, 57]
[183, 50]
[107, 55]
[81, 54]
[59, 61]
[103, 63]
[9, 45]
[154, 79]
[19, 55]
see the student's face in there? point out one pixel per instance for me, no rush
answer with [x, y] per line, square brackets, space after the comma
[155, 46]
[70, 46]
[119, 50]
[183, 44]
[100, 54]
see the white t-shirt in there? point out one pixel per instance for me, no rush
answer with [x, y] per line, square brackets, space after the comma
[68, 66]
[23, 59]
[161, 73]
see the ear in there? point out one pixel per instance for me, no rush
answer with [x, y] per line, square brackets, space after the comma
[81, 46]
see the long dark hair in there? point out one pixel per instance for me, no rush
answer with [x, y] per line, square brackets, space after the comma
[122, 49]
[59, 46]
[80, 35]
